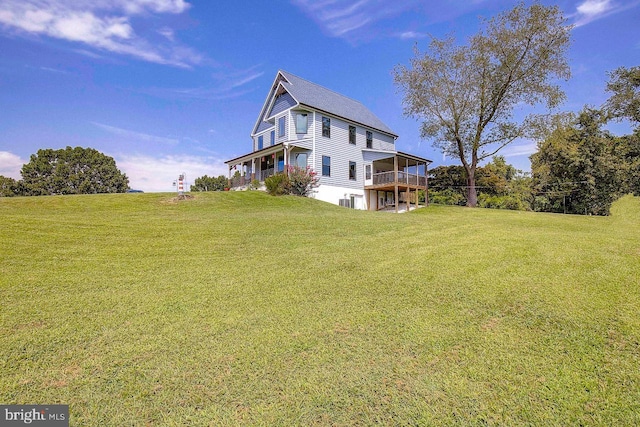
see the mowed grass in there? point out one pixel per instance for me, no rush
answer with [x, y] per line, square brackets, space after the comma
[240, 308]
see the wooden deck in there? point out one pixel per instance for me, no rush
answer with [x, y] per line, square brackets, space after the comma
[389, 181]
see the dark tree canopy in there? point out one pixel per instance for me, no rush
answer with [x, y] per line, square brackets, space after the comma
[72, 171]
[577, 168]
[9, 187]
[466, 94]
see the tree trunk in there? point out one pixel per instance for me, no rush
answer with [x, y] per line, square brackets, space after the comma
[472, 194]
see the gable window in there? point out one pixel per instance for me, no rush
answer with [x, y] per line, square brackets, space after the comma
[352, 135]
[326, 166]
[326, 127]
[260, 142]
[281, 126]
[352, 170]
[301, 123]
[369, 139]
[273, 137]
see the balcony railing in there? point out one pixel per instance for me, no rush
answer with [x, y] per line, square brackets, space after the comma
[382, 178]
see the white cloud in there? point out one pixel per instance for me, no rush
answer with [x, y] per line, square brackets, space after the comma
[591, 10]
[349, 18]
[100, 24]
[136, 136]
[411, 35]
[156, 174]
[229, 84]
[11, 164]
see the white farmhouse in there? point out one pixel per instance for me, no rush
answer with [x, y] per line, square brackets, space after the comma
[352, 151]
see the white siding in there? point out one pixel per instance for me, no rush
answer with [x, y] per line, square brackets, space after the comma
[337, 147]
[284, 114]
[266, 139]
[291, 127]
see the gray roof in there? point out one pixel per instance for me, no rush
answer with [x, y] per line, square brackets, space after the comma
[321, 98]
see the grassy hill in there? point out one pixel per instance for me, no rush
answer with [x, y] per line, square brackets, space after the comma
[240, 308]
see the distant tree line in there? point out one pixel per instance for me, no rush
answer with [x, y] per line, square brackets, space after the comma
[579, 168]
[209, 183]
[66, 171]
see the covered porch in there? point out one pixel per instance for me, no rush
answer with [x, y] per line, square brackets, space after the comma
[396, 180]
[264, 163]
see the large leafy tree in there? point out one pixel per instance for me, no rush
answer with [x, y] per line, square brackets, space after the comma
[466, 94]
[577, 168]
[72, 171]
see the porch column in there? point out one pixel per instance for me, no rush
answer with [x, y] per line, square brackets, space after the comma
[286, 159]
[253, 169]
[426, 185]
[395, 182]
[408, 193]
[395, 194]
[406, 169]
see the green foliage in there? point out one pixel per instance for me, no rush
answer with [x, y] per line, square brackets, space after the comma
[9, 187]
[501, 202]
[298, 182]
[446, 197]
[302, 181]
[628, 150]
[576, 168]
[207, 183]
[465, 94]
[278, 184]
[72, 171]
[254, 185]
[500, 186]
[624, 103]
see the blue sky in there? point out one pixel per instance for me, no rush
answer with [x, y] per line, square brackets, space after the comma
[171, 86]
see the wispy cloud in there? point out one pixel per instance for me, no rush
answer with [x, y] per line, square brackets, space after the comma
[11, 164]
[591, 10]
[155, 174]
[519, 149]
[136, 136]
[101, 25]
[411, 35]
[226, 84]
[351, 19]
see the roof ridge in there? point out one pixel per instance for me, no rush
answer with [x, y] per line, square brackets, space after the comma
[323, 87]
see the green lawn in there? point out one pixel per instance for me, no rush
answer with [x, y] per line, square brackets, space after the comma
[240, 308]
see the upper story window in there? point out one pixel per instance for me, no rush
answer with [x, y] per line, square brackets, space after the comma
[352, 170]
[301, 123]
[260, 143]
[326, 166]
[367, 172]
[369, 139]
[273, 137]
[281, 126]
[326, 127]
[352, 135]
[301, 160]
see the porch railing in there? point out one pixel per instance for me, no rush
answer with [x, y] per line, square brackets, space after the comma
[239, 181]
[266, 173]
[403, 178]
